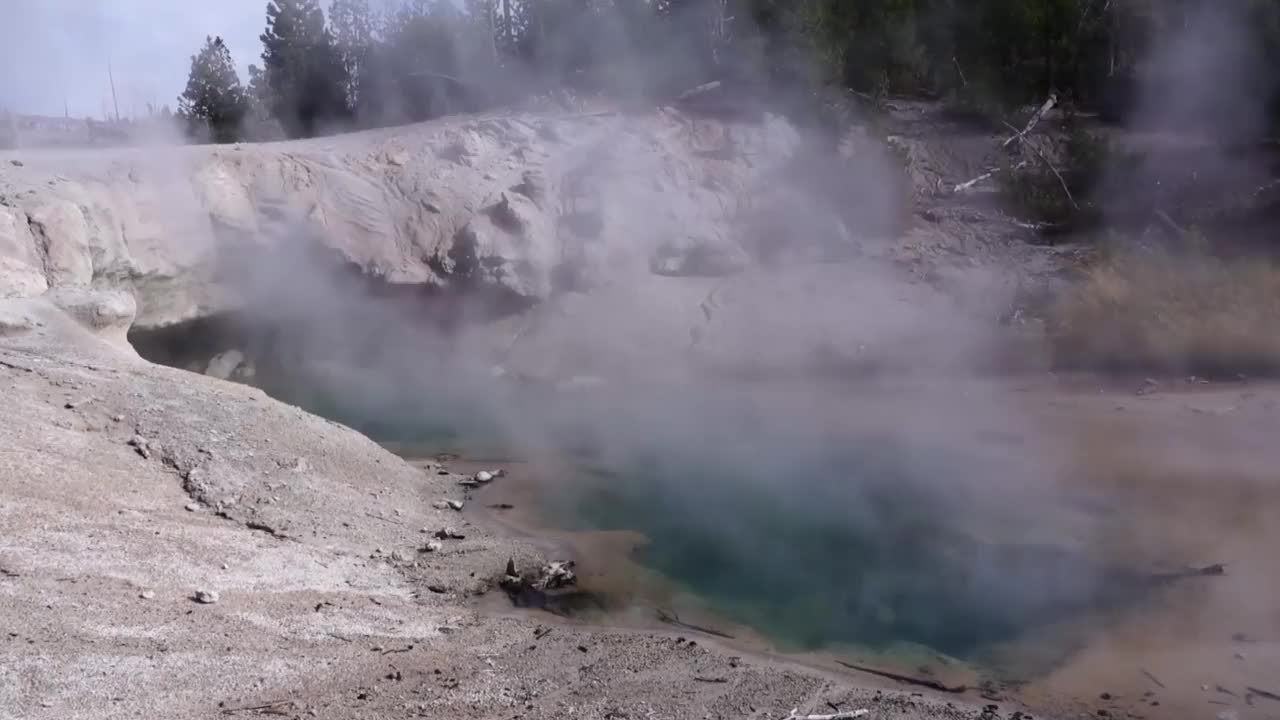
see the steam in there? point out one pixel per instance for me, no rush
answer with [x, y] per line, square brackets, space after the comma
[814, 421]
[1206, 74]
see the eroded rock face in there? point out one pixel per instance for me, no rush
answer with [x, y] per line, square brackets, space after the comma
[506, 203]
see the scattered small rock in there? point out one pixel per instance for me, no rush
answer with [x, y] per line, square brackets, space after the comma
[1105, 696]
[449, 534]
[454, 504]
[141, 445]
[147, 594]
[206, 597]
[433, 546]
[438, 589]
[484, 476]
[17, 163]
[192, 507]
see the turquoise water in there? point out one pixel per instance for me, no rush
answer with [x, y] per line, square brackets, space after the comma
[870, 541]
[855, 550]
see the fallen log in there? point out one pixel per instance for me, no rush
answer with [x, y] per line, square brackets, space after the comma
[1263, 693]
[847, 715]
[909, 680]
[673, 619]
[1178, 231]
[1061, 181]
[1215, 570]
[699, 90]
[1035, 120]
[263, 708]
[968, 185]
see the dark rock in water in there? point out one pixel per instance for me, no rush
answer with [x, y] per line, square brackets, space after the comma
[551, 576]
[555, 575]
[537, 589]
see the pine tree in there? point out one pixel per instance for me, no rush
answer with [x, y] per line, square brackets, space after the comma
[354, 26]
[259, 123]
[303, 68]
[214, 103]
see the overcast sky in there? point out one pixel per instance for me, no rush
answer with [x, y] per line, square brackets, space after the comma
[53, 51]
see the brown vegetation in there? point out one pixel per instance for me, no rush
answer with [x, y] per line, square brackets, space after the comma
[1154, 311]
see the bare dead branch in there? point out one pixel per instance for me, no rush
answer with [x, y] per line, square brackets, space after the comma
[1178, 231]
[699, 90]
[671, 618]
[1152, 678]
[970, 184]
[909, 680]
[1035, 120]
[846, 715]
[265, 707]
[1264, 693]
[1061, 181]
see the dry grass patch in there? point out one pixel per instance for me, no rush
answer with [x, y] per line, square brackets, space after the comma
[1153, 312]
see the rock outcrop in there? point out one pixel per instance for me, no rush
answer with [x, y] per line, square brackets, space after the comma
[510, 203]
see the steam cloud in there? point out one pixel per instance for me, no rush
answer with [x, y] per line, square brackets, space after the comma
[876, 507]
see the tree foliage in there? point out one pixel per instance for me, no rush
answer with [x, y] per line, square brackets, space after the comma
[214, 104]
[304, 69]
[375, 62]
